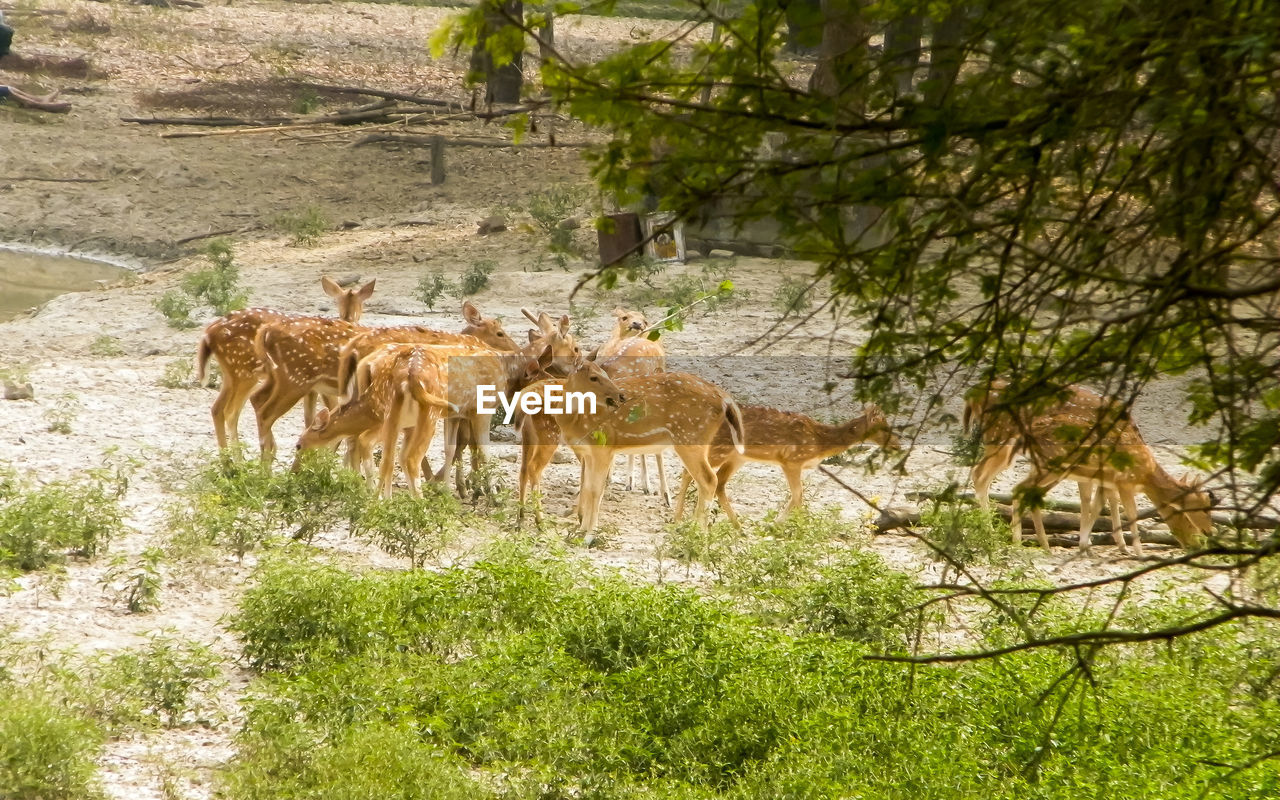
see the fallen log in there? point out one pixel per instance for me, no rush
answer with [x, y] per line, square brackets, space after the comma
[383, 93]
[1064, 527]
[428, 141]
[1242, 521]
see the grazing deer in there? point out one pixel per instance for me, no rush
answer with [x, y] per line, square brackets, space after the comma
[793, 441]
[230, 341]
[304, 355]
[667, 409]
[401, 387]
[1091, 439]
[629, 353]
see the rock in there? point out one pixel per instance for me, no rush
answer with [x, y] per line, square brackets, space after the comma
[569, 224]
[690, 255]
[563, 457]
[347, 280]
[720, 254]
[492, 224]
[18, 391]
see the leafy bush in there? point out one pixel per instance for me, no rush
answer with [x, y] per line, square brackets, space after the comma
[105, 346]
[793, 296]
[64, 411]
[305, 226]
[166, 680]
[241, 504]
[548, 679]
[42, 526]
[431, 288]
[46, 752]
[176, 306]
[475, 278]
[180, 374]
[135, 584]
[552, 207]
[416, 528]
[966, 534]
[218, 285]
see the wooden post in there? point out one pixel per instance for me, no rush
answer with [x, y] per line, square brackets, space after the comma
[437, 160]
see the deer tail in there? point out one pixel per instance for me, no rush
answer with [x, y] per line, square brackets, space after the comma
[425, 398]
[349, 383]
[202, 359]
[737, 432]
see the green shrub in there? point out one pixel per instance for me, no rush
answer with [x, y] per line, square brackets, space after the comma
[240, 504]
[368, 761]
[218, 285]
[549, 209]
[431, 288]
[180, 374]
[46, 752]
[860, 598]
[475, 278]
[305, 227]
[793, 296]
[176, 306]
[966, 534]
[135, 584]
[416, 528]
[166, 680]
[548, 679]
[64, 411]
[42, 526]
[105, 346]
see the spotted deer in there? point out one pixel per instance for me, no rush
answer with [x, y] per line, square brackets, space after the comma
[630, 353]
[304, 355]
[792, 441]
[1092, 440]
[667, 409]
[402, 387]
[229, 340]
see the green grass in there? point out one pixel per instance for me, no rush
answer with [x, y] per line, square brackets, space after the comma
[530, 674]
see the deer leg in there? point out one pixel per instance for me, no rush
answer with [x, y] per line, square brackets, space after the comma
[1117, 526]
[595, 475]
[1089, 507]
[662, 479]
[793, 474]
[269, 407]
[1036, 480]
[1131, 507]
[631, 472]
[995, 459]
[416, 441]
[390, 432]
[695, 461]
[309, 409]
[685, 478]
[722, 495]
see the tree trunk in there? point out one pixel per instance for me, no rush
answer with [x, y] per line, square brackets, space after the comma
[946, 53]
[804, 26]
[840, 73]
[902, 51]
[502, 83]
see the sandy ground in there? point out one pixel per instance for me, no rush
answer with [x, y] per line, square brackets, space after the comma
[138, 195]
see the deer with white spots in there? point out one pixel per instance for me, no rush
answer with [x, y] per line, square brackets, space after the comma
[304, 355]
[229, 340]
[630, 353]
[1091, 439]
[401, 387]
[641, 414]
[793, 441]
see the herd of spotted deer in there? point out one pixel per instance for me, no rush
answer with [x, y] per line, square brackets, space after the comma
[377, 382]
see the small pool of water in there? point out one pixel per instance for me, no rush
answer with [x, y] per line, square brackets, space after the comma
[28, 279]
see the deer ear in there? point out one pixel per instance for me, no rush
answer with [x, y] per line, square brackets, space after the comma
[564, 325]
[331, 287]
[545, 324]
[366, 291]
[321, 420]
[471, 314]
[534, 335]
[619, 312]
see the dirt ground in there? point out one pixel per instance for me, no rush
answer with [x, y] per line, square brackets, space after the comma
[138, 196]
